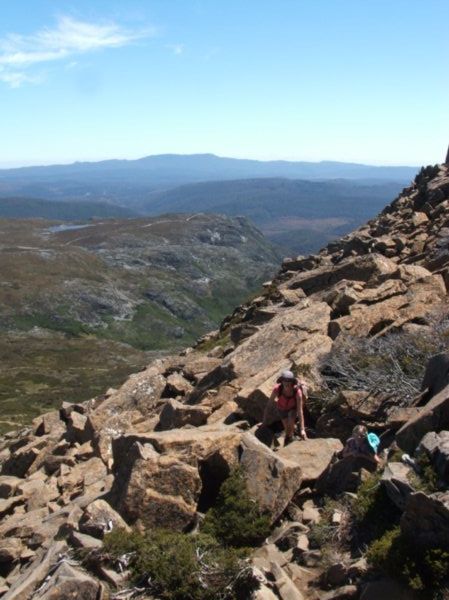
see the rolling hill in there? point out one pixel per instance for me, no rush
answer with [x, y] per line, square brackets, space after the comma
[300, 216]
[85, 302]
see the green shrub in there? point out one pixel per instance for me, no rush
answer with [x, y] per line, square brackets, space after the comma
[381, 553]
[236, 520]
[419, 568]
[176, 566]
[427, 480]
[373, 512]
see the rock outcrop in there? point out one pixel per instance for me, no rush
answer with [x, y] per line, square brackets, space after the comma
[155, 452]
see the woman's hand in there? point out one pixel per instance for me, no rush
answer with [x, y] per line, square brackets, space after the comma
[303, 434]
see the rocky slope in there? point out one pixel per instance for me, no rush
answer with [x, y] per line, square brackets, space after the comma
[155, 451]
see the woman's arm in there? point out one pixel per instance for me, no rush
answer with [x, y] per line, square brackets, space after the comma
[300, 413]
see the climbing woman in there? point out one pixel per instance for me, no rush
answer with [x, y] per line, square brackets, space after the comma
[288, 394]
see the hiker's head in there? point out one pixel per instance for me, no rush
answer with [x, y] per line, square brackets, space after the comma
[359, 431]
[287, 378]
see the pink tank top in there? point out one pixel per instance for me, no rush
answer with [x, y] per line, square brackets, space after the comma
[286, 402]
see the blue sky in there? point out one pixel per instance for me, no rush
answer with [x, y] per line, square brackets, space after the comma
[351, 80]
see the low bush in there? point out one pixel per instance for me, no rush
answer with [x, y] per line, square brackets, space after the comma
[176, 566]
[424, 570]
[331, 538]
[373, 513]
[235, 519]
[392, 364]
[426, 480]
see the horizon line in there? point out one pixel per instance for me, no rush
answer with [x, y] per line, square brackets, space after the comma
[72, 162]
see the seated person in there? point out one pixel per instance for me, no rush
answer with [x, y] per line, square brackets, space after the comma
[343, 472]
[361, 443]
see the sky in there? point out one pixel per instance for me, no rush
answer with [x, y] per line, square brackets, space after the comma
[348, 80]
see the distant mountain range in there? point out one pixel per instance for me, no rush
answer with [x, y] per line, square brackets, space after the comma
[299, 205]
[117, 178]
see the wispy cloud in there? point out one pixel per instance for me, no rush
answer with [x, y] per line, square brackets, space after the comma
[15, 78]
[177, 49]
[70, 37]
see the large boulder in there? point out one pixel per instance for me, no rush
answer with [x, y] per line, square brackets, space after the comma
[197, 366]
[20, 460]
[434, 416]
[283, 334]
[10, 550]
[297, 333]
[418, 300]
[436, 446]
[99, 518]
[79, 428]
[313, 456]
[177, 385]
[174, 415]
[153, 490]
[425, 520]
[37, 493]
[373, 268]
[9, 485]
[85, 477]
[141, 391]
[436, 376]
[49, 423]
[395, 480]
[271, 480]
[343, 475]
[189, 445]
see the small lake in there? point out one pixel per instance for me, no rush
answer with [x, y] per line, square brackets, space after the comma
[68, 227]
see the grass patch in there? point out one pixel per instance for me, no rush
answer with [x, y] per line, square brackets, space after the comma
[41, 370]
[51, 322]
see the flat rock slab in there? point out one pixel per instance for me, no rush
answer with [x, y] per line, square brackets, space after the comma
[24, 586]
[191, 445]
[282, 335]
[313, 456]
[69, 582]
